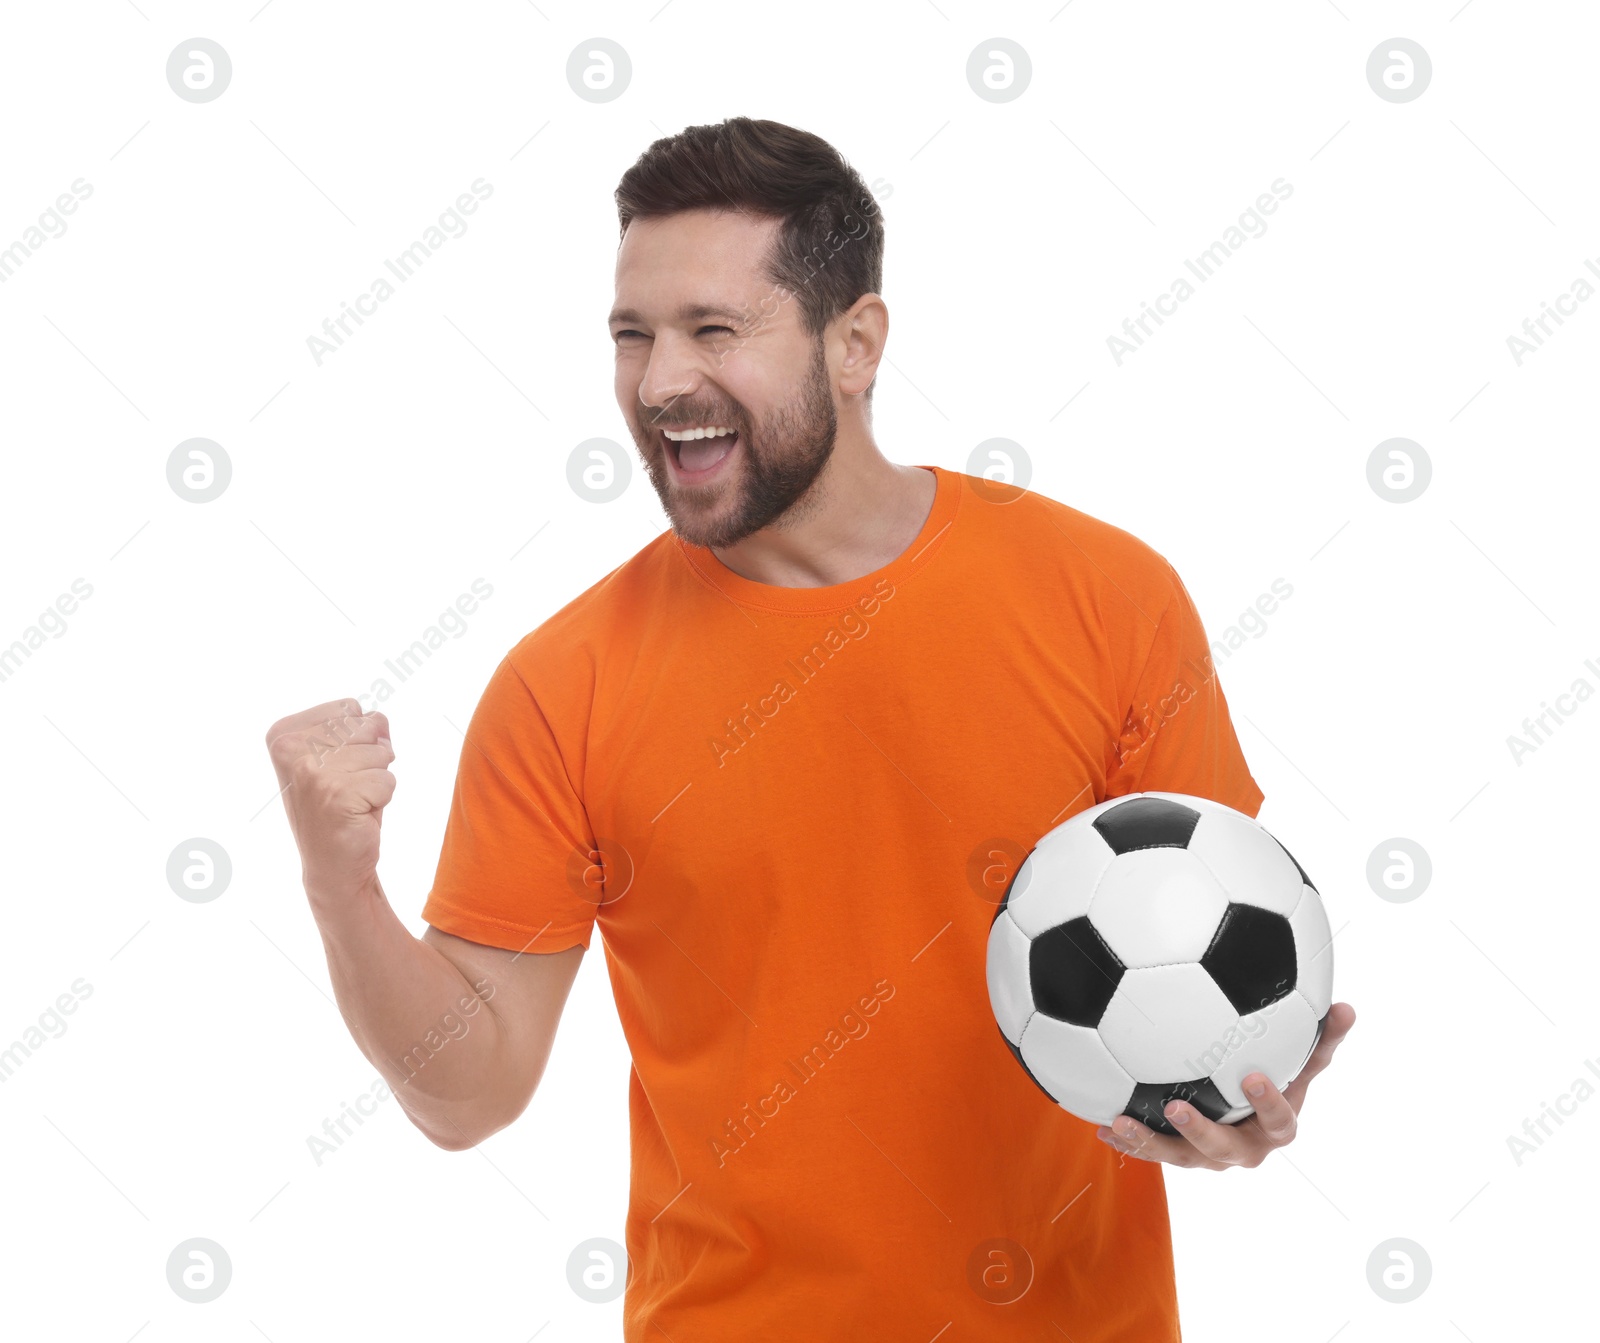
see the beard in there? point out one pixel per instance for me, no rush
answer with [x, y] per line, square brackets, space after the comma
[781, 460]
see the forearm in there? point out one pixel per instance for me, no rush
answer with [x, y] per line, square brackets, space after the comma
[429, 1032]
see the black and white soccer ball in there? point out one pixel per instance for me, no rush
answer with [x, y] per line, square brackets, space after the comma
[1157, 947]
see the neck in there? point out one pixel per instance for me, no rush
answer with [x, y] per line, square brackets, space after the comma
[862, 512]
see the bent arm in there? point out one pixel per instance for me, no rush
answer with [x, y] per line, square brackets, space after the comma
[461, 1032]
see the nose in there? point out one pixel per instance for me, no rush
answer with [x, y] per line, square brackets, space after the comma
[672, 374]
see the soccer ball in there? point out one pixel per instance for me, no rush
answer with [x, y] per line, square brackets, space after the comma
[1157, 947]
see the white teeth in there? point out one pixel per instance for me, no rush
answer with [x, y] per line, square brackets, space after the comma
[684, 435]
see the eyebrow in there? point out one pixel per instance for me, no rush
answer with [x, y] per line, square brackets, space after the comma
[689, 312]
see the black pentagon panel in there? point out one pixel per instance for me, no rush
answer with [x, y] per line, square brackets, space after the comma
[1017, 1054]
[1147, 823]
[1251, 957]
[1074, 973]
[1296, 863]
[1151, 1098]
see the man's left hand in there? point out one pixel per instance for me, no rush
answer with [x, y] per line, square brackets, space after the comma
[1219, 1146]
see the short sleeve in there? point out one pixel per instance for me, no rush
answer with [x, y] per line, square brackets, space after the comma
[1177, 736]
[517, 845]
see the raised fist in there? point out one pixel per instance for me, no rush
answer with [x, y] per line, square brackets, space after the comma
[333, 764]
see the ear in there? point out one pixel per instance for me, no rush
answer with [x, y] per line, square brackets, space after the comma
[864, 331]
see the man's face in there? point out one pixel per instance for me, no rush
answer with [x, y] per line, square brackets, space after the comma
[704, 341]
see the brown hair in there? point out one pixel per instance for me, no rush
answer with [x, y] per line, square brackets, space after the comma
[829, 250]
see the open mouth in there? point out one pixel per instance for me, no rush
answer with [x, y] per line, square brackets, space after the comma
[698, 459]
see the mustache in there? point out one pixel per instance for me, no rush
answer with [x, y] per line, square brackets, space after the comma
[680, 420]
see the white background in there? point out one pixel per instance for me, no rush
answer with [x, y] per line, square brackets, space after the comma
[369, 492]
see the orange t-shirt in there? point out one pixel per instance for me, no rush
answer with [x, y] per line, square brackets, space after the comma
[806, 803]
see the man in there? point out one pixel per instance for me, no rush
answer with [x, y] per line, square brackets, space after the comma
[763, 756]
